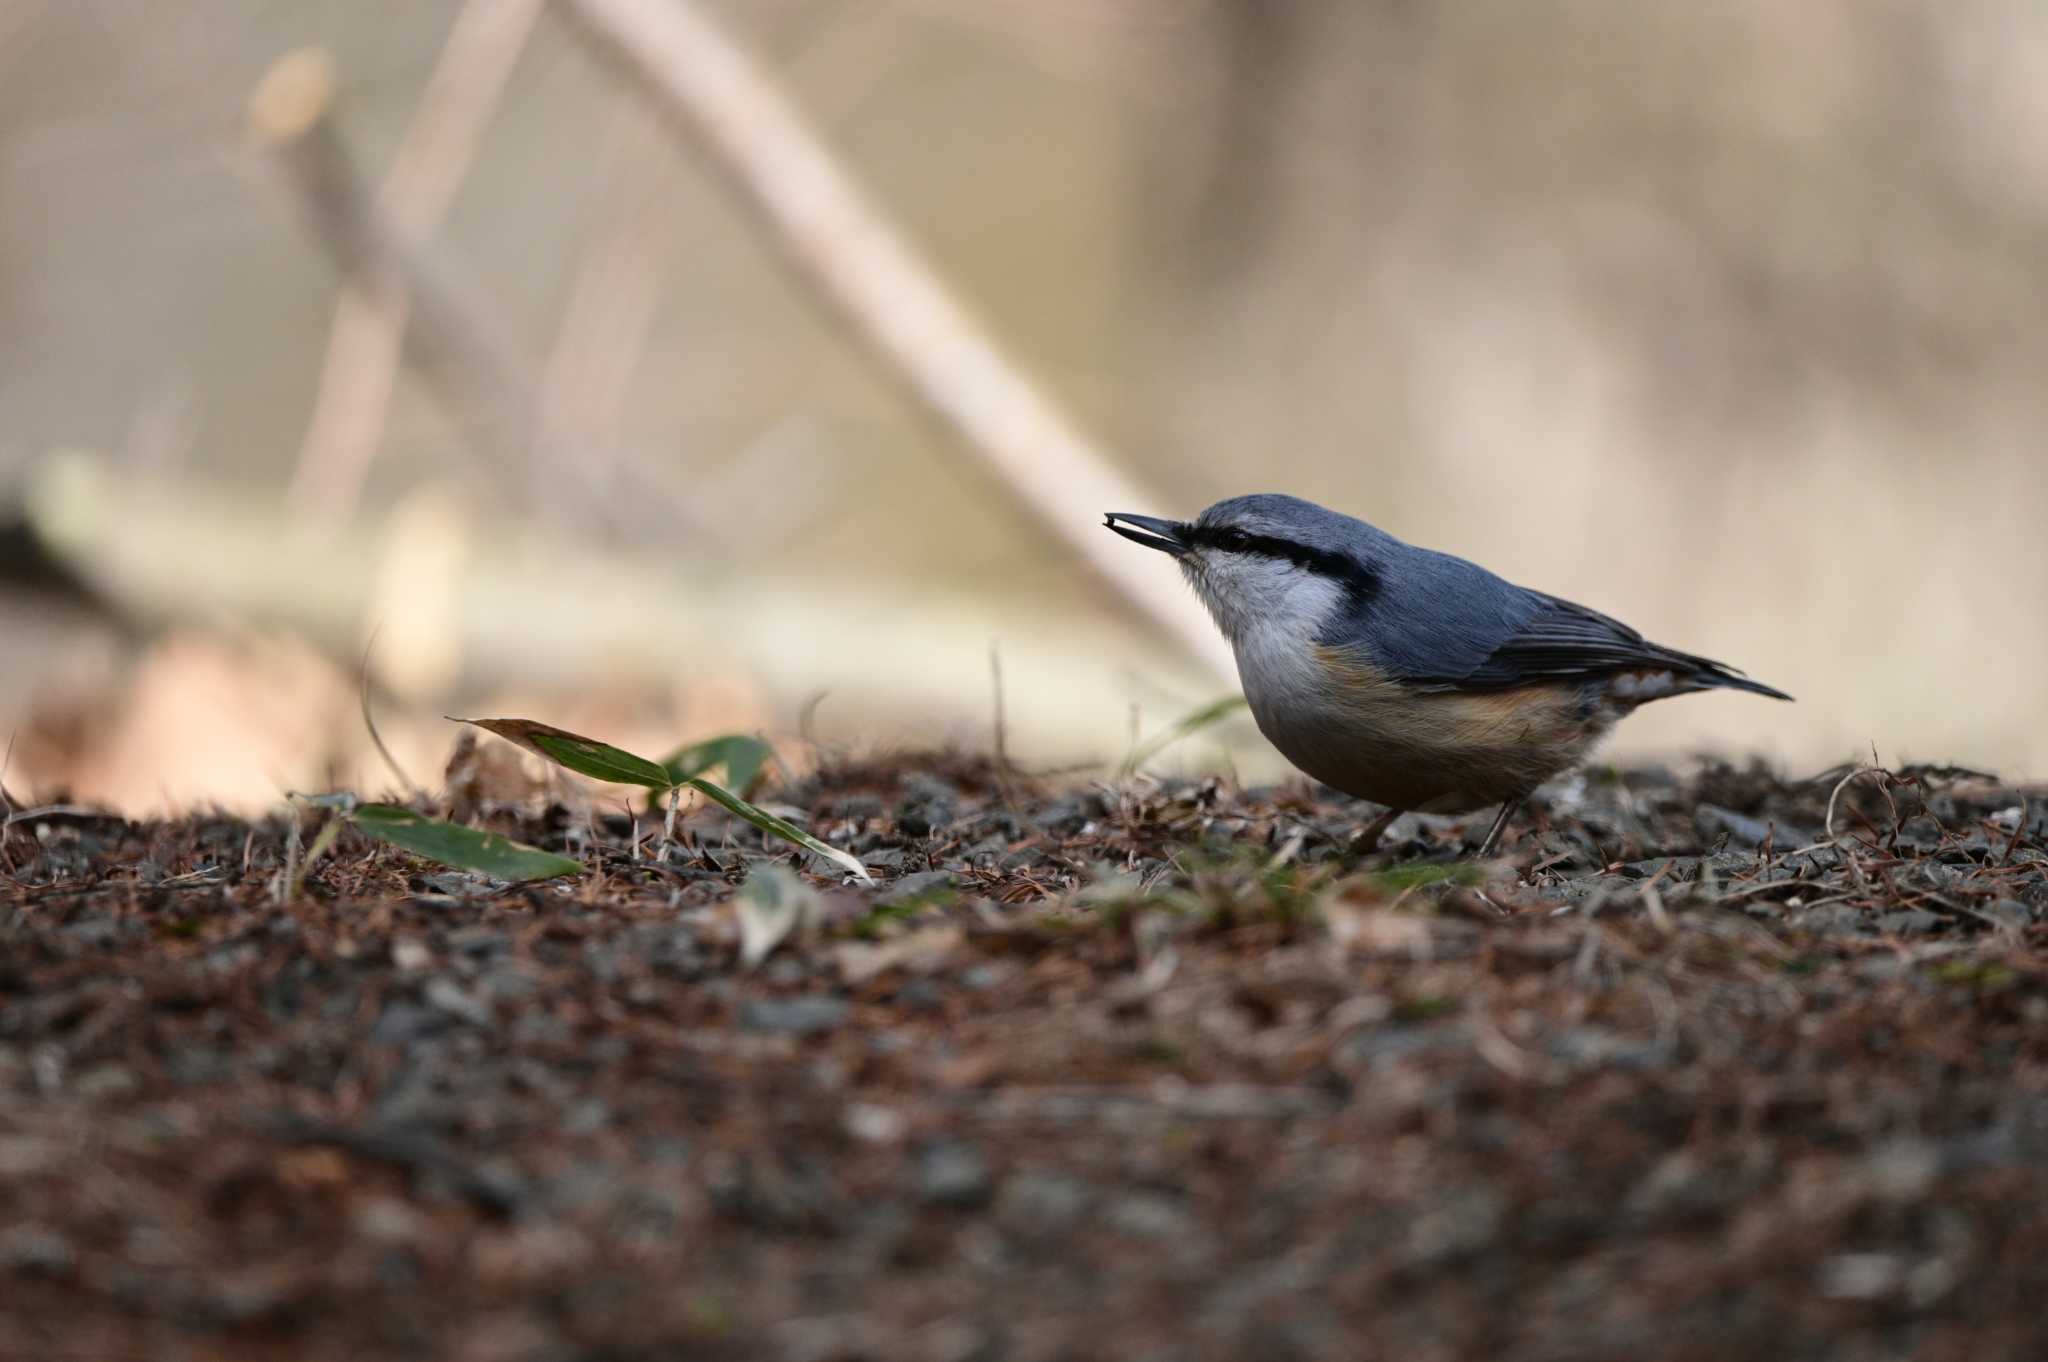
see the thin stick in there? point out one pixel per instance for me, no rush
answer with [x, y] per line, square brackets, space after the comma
[288, 879]
[7, 802]
[1828, 824]
[460, 349]
[857, 262]
[613, 300]
[54, 811]
[370, 722]
[2019, 828]
[995, 677]
[433, 159]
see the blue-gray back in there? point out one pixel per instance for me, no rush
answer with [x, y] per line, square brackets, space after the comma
[1436, 621]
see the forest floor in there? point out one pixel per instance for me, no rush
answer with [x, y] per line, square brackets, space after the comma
[1123, 1070]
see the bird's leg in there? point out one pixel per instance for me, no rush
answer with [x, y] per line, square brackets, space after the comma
[1368, 837]
[1500, 823]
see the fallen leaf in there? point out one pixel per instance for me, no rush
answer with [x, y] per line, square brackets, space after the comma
[918, 952]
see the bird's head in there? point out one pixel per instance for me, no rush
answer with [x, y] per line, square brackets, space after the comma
[1266, 560]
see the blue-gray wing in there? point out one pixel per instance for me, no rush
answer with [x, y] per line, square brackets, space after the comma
[1447, 624]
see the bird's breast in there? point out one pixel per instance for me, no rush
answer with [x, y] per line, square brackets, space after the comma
[1352, 727]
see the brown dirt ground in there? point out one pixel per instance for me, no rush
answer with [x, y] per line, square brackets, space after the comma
[1150, 1071]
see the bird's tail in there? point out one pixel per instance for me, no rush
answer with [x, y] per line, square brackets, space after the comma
[1720, 676]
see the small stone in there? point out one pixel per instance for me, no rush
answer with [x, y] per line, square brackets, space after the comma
[452, 998]
[477, 940]
[22, 1155]
[401, 1023]
[1065, 816]
[2011, 912]
[37, 1250]
[1042, 1203]
[1715, 822]
[980, 978]
[1831, 918]
[874, 1124]
[1147, 1215]
[387, 1220]
[1909, 921]
[930, 806]
[1903, 1169]
[918, 884]
[800, 1016]
[855, 806]
[785, 972]
[1461, 1224]
[1860, 1276]
[953, 1174]
[104, 1081]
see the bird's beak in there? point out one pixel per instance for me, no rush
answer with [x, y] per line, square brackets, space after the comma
[1168, 536]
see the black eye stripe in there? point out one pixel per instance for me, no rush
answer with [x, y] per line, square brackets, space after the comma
[1360, 580]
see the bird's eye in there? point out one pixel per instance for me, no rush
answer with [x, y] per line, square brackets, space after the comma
[1232, 540]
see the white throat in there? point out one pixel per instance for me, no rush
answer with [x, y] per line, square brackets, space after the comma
[1271, 613]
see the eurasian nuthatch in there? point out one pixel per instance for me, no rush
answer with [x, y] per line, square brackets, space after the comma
[1407, 677]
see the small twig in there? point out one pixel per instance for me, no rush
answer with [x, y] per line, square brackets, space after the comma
[1653, 904]
[287, 881]
[2019, 830]
[370, 722]
[1214, 1101]
[55, 811]
[995, 677]
[1289, 850]
[668, 826]
[433, 158]
[1829, 822]
[1496, 1049]
[1588, 954]
[461, 350]
[1750, 891]
[610, 308]
[1004, 785]
[7, 802]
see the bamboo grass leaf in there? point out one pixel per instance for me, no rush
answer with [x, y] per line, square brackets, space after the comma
[464, 848]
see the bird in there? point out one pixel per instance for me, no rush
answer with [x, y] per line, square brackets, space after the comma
[1410, 678]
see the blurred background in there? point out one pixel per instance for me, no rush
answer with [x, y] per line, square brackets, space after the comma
[1730, 320]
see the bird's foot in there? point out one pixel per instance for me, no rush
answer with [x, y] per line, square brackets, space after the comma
[1367, 839]
[1488, 843]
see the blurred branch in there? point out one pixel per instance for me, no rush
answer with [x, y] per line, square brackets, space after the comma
[365, 342]
[451, 335]
[840, 244]
[620, 616]
[613, 296]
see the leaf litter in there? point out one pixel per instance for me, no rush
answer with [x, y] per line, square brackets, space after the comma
[1710, 1064]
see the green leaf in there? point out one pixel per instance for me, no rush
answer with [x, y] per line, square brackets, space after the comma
[741, 755]
[463, 848]
[1401, 877]
[600, 761]
[584, 756]
[1215, 712]
[776, 827]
